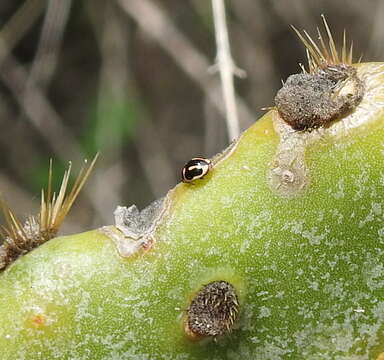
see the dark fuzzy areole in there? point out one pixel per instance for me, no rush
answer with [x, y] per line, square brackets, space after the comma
[213, 310]
[309, 101]
[14, 247]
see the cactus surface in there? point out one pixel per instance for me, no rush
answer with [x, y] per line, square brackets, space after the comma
[293, 221]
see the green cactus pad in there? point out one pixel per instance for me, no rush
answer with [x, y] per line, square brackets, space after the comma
[293, 221]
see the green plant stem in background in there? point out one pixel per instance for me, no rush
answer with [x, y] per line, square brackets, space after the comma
[305, 256]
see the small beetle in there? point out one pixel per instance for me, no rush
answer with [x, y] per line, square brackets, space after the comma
[195, 168]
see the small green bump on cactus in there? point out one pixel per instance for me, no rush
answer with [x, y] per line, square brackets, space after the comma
[213, 310]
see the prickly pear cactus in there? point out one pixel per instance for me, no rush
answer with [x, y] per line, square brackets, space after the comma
[276, 253]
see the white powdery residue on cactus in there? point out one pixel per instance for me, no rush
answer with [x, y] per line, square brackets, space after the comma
[280, 294]
[305, 312]
[274, 348]
[226, 201]
[375, 211]
[329, 336]
[53, 286]
[213, 251]
[373, 274]
[338, 193]
[82, 306]
[336, 330]
[262, 293]
[53, 308]
[313, 284]
[362, 184]
[137, 313]
[336, 290]
[269, 267]
[370, 331]
[315, 235]
[116, 347]
[344, 340]
[336, 214]
[113, 346]
[176, 293]
[264, 312]
[256, 225]
[299, 272]
[257, 222]
[295, 227]
[380, 232]
[247, 320]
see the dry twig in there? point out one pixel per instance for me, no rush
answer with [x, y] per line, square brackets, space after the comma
[226, 67]
[159, 26]
[44, 64]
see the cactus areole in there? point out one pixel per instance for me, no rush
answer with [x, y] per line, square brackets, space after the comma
[277, 253]
[309, 101]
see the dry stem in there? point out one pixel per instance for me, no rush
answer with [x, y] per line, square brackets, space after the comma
[226, 67]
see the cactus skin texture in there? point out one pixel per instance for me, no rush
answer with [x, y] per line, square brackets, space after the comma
[307, 265]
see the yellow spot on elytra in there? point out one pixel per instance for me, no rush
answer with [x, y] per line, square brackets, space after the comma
[380, 357]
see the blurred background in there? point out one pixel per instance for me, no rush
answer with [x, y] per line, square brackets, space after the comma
[131, 79]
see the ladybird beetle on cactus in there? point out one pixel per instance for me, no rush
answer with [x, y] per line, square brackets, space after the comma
[194, 169]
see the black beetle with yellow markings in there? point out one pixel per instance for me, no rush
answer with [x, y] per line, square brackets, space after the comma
[194, 169]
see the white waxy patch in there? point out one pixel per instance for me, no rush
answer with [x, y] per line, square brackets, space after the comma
[134, 228]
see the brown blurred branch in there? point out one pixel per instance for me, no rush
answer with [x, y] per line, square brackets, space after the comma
[17, 195]
[19, 24]
[160, 26]
[376, 43]
[35, 105]
[112, 85]
[116, 80]
[44, 118]
[44, 64]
